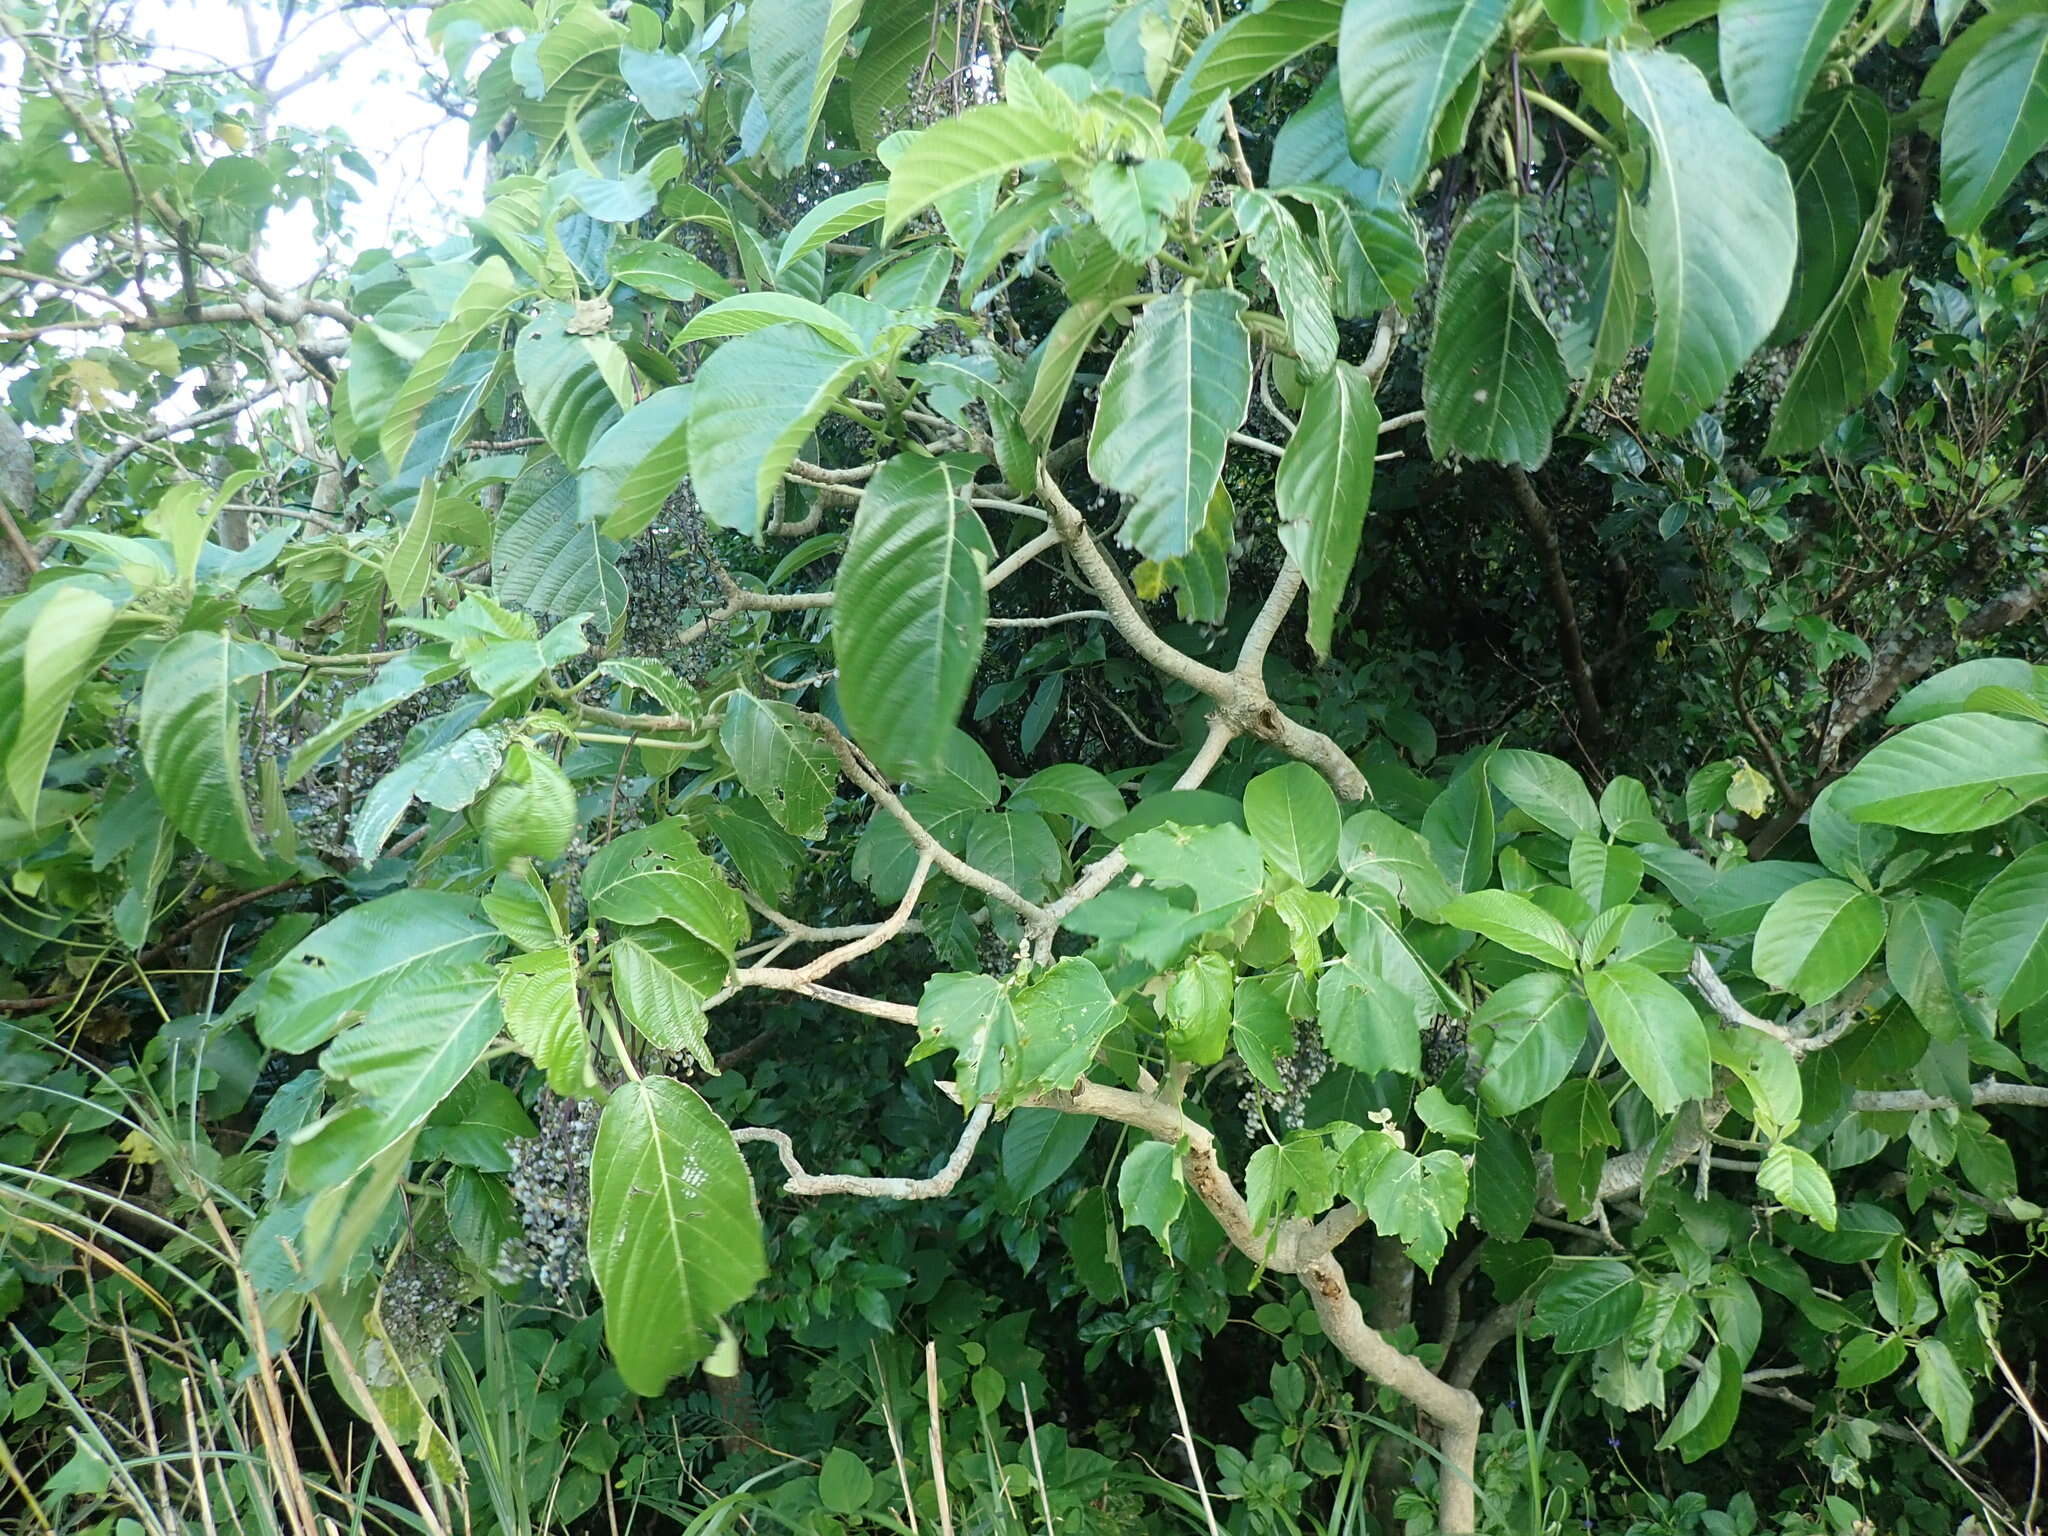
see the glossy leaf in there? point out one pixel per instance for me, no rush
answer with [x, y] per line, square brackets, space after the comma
[1175, 393]
[1770, 52]
[1526, 1038]
[955, 153]
[1399, 62]
[1323, 487]
[2004, 948]
[795, 47]
[1817, 938]
[189, 732]
[1655, 1032]
[1292, 813]
[674, 1237]
[1952, 774]
[1997, 121]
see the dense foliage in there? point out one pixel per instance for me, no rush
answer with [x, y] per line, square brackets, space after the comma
[1084, 767]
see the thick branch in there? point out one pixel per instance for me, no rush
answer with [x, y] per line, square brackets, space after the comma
[864, 1186]
[1990, 1091]
[1711, 987]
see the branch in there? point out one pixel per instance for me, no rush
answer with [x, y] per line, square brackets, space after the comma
[1990, 1091]
[1570, 648]
[864, 1186]
[1897, 664]
[821, 966]
[1288, 1248]
[1702, 975]
[1241, 700]
[114, 458]
[959, 869]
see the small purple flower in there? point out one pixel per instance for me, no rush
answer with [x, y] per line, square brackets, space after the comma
[1614, 1442]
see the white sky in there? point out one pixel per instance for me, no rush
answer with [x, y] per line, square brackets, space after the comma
[361, 72]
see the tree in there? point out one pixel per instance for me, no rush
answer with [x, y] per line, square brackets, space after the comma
[743, 570]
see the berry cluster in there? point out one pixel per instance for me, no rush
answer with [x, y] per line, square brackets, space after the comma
[551, 1186]
[419, 1304]
[1286, 1110]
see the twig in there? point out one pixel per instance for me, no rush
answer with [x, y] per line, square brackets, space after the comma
[1571, 651]
[1187, 1432]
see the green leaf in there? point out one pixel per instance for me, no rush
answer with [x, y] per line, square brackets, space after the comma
[1177, 390]
[1656, 1034]
[1588, 21]
[957, 152]
[1585, 1305]
[1417, 1199]
[189, 732]
[795, 47]
[1626, 809]
[1070, 789]
[1292, 813]
[409, 567]
[1577, 1130]
[1134, 203]
[1494, 383]
[659, 1001]
[745, 313]
[1843, 361]
[1952, 774]
[1770, 52]
[1855, 850]
[840, 214]
[1370, 1022]
[1922, 937]
[1997, 121]
[674, 1236]
[782, 761]
[1298, 282]
[754, 401]
[637, 465]
[665, 271]
[1868, 1359]
[1038, 1146]
[1720, 230]
[57, 654]
[339, 970]
[1018, 850]
[659, 875]
[1707, 1416]
[669, 85]
[1012, 1041]
[1453, 1122]
[1605, 875]
[1517, 923]
[1526, 1038]
[1297, 1174]
[544, 1017]
[1152, 1190]
[844, 1483]
[1377, 852]
[1798, 1183]
[1548, 789]
[1245, 49]
[1459, 828]
[1053, 365]
[1322, 488]
[2004, 949]
[1836, 154]
[545, 558]
[564, 385]
[1817, 938]
[416, 1045]
[1399, 62]
[484, 299]
[910, 612]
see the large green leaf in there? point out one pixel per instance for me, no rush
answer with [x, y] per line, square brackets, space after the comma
[1323, 487]
[1720, 229]
[2004, 950]
[1800, 1183]
[1399, 62]
[1175, 393]
[637, 465]
[957, 152]
[660, 1001]
[910, 612]
[564, 385]
[659, 875]
[1526, 1037]
[57, 653]
[483, 300]
[1246, 48]
[1997, 121]
[416, 1044]
[1548, 789]
[674, 1236]
[342, 968]
[1846, 357]
[754, 402]
[781, 760]
[189, 730]
[1922, 936]
[795, 46]
[1011, 1041]
[1297, 279]
[1817, 938]
[544, 1016]
[1585, 1305]
[1514, 921]
[1494, 383]
[1952, 774]
[545, 558]
[1656, 1033]
[1292, 813]
[1770, 52]
[840, 214]
[745, 313]
[1836, 154]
